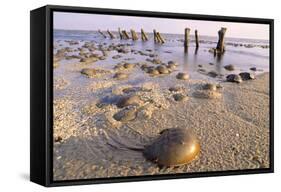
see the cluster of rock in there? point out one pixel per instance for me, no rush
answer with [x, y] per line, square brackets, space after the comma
[238, 78]
[161, 68]
[132, 106]
[129, 103]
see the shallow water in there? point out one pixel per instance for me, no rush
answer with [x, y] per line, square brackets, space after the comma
[241, 57]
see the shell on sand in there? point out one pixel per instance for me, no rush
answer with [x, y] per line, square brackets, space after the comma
[126, 114]
[121, 76]
[207, 94]
[180, 97]
[129, 100]
[90, 72]
[182, 76]
[175, 146]
[210, 86]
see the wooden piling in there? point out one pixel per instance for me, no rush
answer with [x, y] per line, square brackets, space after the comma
[143, 35]
[120, 33]
[125, 34]
[160, 38]
[102, 33]
[196, 39]
[134, 35]
[155, 36]
[110, 34]
[186, 37]
[220, 46]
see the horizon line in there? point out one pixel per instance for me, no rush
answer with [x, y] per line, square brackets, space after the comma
[162, 33]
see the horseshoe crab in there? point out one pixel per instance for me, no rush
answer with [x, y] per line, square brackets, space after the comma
[174, 147]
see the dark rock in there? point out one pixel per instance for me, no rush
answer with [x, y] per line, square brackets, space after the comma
[246, 76]
[176, 89]
[213, 74]
[156, 61]
[253, 69]
[162, 69]
[234, 78]
[152, 55]
[153, 71]
[116, 56]
[172, 62]
[180, 97]
[144, 66]
[83, 60]
[229, 67]
[171, 66]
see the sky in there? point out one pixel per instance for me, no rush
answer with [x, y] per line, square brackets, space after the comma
[84, 21]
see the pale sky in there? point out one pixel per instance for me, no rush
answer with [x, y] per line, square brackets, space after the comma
[83, 21]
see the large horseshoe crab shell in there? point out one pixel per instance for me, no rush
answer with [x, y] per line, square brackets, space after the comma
[174, 147]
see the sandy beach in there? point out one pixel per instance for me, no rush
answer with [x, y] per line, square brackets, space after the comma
[95, 137]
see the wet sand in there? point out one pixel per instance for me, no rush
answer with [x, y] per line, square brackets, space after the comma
[233, 129]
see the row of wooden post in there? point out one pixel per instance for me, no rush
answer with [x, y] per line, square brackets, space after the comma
[124, 35]
[159, 39]
[220, 45]
[186, 38]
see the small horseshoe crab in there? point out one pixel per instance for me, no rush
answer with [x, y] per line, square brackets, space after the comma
[173, 147]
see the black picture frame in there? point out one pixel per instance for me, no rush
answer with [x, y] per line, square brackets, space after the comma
[41, 100]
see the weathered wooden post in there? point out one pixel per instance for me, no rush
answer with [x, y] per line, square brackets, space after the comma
[196, 39]
[143, 35]
[160, 38]
[186, 37]
[155, 36]
[196, 50]
[102, 33]
[110, 34]
[120, 34]
[134, 35]
[125, 34]
[220, 46]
